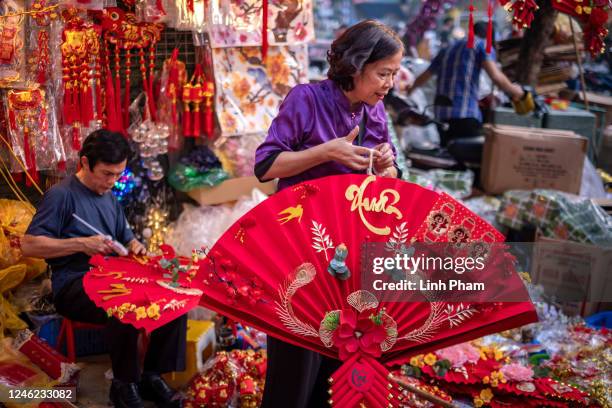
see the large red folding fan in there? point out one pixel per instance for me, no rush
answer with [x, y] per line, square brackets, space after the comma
[283, 268]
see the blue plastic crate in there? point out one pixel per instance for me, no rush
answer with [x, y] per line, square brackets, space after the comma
[86, 341]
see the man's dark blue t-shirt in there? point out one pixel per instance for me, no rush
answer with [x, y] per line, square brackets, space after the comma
[54, 219]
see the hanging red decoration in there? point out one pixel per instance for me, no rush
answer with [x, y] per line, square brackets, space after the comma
[264, 30]
[173, 84]
[187, 127]
[124, 32]
[198, 91]
[523, 11]
[470, 40]
[592, 16]
[209, 93]
[28, 122]
[490, 27]
[80, 47]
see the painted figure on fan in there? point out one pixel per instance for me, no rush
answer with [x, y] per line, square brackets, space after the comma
[67, 245]
[337, 126]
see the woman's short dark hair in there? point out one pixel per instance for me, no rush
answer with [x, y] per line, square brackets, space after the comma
[105, 146]
[364, 43]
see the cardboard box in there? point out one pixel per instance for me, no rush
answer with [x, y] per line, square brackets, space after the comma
[231, 190]
[577, 120]
[575, 275]
[528, 158]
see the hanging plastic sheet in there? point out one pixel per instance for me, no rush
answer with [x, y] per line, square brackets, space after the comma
[12, 44]
[237, 153]
[33, 131]
[237, 23]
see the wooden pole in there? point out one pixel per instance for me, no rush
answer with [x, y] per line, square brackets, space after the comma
[423, 394]
[579, 59]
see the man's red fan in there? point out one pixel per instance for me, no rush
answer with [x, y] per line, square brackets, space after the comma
[293, 267]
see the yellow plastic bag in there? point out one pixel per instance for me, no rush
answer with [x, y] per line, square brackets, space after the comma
[15, 217]
[9, 278]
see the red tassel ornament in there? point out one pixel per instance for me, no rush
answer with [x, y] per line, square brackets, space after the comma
[126, 96]
[209, 93]
[112, 123]
[187, 128]
[470, 40]
[490, 27]
[264, 30]
[76, 137]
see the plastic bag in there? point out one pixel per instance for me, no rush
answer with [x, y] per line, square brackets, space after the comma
[199, 227]
[173, 75]
[592, 185]
[15, 217]
[9, 278]
[557, 215]
[12, 44]
[457, 184]
[34, 297]
[200, 168]
[238, 153]
[186, 15]
[151, 11]
[186, 178]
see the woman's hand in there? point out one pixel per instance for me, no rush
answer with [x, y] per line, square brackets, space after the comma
[343, 151]
[385, 158]
[390, 172]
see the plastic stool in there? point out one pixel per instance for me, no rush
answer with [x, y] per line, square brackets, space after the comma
[67, 330]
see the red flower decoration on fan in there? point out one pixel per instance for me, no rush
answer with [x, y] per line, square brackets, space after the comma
[361, 329]
[358, 332]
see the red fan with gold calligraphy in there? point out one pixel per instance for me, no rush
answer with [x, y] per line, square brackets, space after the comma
[298, 266]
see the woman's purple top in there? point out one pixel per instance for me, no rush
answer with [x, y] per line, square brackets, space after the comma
[312, 114]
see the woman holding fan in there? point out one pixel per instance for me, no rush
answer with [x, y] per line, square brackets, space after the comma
[337, 126]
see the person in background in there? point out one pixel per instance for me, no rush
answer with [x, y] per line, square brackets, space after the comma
[446, 32]
[322, 129]
[67, 245]
[457, 69]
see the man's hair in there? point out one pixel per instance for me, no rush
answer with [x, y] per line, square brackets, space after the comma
[364, 43]
[481, 28]
[106, 147]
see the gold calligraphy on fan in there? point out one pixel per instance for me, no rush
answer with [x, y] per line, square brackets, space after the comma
[384, 203]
